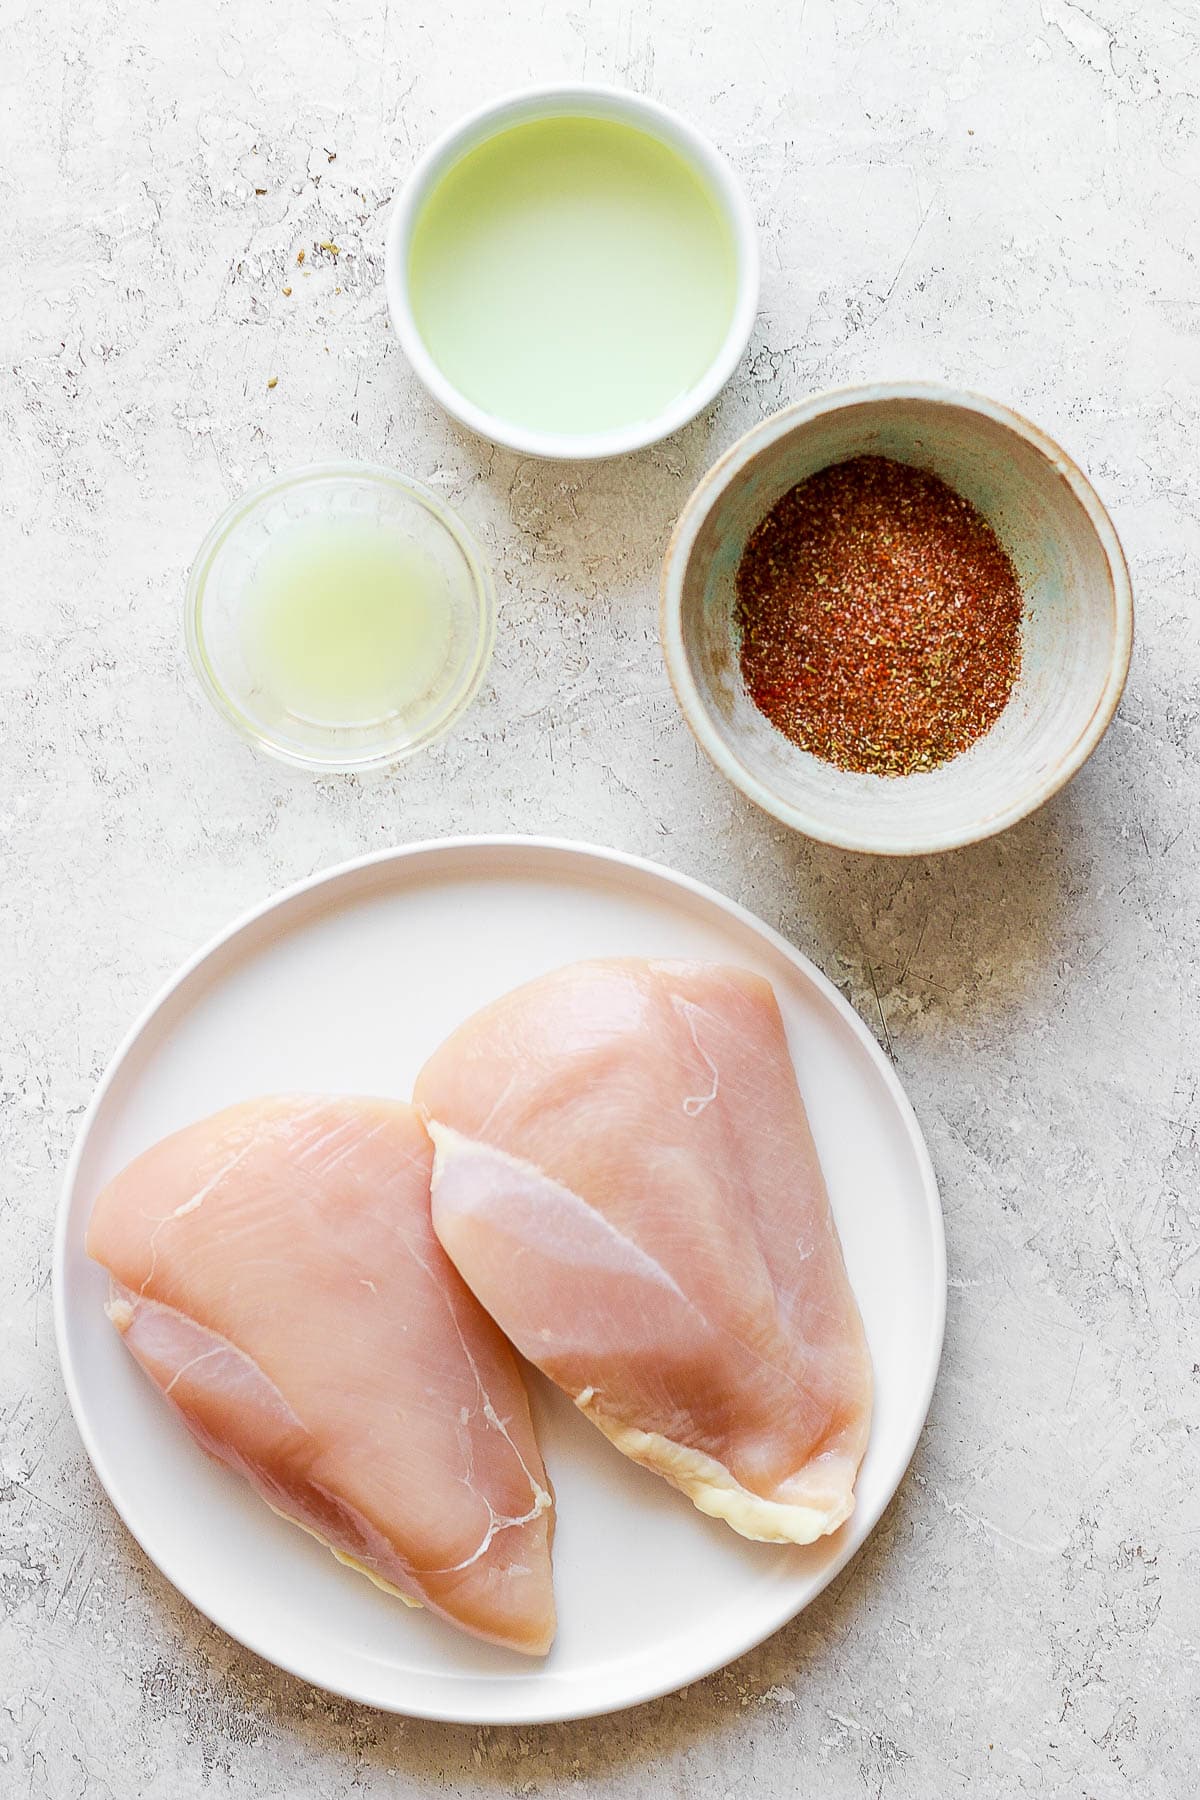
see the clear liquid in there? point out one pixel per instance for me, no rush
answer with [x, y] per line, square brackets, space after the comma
[572, 275]
[346, 622]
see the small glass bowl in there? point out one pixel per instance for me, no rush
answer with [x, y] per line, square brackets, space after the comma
[224, 569]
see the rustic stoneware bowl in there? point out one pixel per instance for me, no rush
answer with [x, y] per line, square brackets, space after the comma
[1076, 633]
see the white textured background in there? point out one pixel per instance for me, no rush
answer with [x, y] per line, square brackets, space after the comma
[1001, 195]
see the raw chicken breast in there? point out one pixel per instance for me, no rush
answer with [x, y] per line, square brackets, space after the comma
[275, 1273]
[626, 1179]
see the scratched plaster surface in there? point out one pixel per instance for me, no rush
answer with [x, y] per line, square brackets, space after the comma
[1004, 196]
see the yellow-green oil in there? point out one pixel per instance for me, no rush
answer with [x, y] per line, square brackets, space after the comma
[345, 622]
[572, 275]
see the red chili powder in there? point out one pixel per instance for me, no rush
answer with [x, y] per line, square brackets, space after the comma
[880, 618]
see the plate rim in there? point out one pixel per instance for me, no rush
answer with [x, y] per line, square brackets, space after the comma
[543, 1711]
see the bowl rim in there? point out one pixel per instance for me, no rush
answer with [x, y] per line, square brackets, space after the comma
[241, 508]
[585, 100]
[713, 485]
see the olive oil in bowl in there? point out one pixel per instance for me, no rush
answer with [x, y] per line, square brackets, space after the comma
[577, 280]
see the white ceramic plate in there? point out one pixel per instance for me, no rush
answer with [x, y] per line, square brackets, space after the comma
[347, 982]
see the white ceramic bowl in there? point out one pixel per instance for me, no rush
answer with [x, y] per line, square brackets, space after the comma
[1076, 634]
[585, 101]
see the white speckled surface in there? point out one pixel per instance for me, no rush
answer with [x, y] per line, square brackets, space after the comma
[1001, 196]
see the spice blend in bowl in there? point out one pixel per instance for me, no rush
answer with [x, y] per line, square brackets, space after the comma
[880, 618]
[985, 656]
